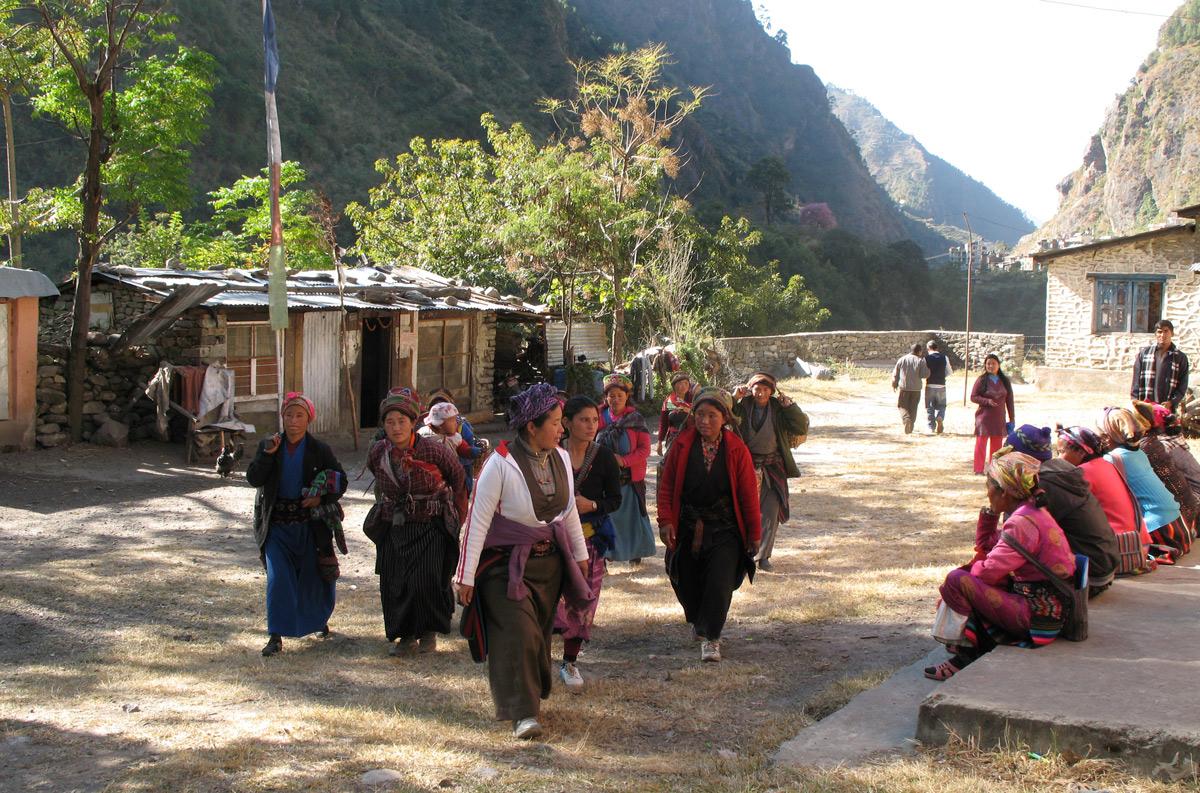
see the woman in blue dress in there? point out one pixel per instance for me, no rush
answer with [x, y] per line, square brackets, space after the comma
[297, 521]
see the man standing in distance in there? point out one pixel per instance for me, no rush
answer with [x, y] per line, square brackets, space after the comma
[1160, 371]
[906, 378]
[935, 386]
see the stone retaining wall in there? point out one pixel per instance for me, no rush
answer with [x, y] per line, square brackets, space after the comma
[743, 355]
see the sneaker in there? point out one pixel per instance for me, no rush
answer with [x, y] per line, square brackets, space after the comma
[571, 677]
[428, 643]
[765, 565]
[526, 729]
[710, 650]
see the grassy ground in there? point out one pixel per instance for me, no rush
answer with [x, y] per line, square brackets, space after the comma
[132, 606]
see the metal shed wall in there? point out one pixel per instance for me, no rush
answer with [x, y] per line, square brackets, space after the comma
[323, 368]
[588, 338]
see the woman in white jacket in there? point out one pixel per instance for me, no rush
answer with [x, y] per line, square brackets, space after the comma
[522, 549]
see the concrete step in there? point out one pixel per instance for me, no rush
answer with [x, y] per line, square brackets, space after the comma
[1131, 691]
[876, 722]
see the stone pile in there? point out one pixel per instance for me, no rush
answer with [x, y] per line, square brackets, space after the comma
[114, 392]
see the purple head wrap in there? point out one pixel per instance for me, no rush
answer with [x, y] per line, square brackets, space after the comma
[532, 403]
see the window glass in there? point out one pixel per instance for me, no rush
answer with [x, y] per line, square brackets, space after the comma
[1110, 305]
[1128, 305]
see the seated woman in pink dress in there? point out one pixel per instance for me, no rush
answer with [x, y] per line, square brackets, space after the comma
[1004, 598]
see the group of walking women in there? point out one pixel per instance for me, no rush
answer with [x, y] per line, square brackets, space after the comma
[1122, 498]
[528, 558]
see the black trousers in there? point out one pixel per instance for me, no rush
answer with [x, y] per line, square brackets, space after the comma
[704, 582]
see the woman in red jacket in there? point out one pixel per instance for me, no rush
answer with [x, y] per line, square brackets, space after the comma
[708, 517]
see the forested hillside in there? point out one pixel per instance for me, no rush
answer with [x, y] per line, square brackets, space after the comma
[925, 186]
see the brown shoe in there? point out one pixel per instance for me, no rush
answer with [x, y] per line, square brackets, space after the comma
[428, 643]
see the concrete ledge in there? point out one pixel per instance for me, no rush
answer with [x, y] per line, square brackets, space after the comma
[1129, 692]
[1053, 378]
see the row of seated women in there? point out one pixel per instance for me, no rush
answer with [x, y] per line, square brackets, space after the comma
[1124, 496]
[527, 558]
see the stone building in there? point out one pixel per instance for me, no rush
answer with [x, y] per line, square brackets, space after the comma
[1103, 299]
[402, 326]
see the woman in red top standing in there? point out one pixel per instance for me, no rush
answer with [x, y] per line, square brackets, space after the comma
[708, 517]
[993, 393]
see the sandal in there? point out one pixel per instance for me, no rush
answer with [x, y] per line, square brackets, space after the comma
[943, 671]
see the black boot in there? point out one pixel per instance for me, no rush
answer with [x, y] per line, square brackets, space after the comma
[273, 645]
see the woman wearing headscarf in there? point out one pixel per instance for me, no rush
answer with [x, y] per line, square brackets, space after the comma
[708, 517]
[297, 520]
[1171, 434]
[1071, 503]
[419, 495]
[993, 393]
[1005, 598]
[522, 549]
[476, 446]
[1082, 447]
[597, 494]
[675, 410]
[1121, 433]
[1152, 420]
[623, 432]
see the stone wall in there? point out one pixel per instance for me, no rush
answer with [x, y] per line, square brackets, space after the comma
[1070, 300]
[742, 355]
[115, 385]
[483, 364]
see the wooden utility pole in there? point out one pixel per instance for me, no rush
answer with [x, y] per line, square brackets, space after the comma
[14, 235]
[970, 266]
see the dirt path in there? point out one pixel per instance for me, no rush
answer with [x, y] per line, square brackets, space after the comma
[132, 608]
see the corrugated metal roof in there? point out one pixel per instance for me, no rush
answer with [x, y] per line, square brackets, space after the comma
[15, 283]
[386, 287]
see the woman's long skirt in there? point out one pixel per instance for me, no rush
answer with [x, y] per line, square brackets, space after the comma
[519, 634]
[415, 563]
[635, 537]
[1030, 618]
[577, 623]
[299, 601]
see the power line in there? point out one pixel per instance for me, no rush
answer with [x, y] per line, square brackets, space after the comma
[1111, 10]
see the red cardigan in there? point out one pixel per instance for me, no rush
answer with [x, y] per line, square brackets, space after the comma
[742, 479]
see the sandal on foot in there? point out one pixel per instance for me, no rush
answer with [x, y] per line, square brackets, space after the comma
[943, 671]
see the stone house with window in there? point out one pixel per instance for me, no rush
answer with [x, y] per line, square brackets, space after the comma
[1104, 298]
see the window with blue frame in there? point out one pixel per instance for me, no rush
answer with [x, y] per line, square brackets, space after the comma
[1128, 303]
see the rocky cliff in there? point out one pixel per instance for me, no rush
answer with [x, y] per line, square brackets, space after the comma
[1145, 159]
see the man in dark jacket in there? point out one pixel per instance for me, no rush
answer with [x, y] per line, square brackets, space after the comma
[1160, 371]
[770, 423]
[1069, 499]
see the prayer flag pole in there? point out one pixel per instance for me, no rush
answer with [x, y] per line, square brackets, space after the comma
[277, 289]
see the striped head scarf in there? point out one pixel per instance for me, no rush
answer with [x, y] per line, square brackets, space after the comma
[1014, 472]
[1121, 427]
[764, 378]
[1031, 440]
[718, 398]
[296, 398]
[617, 380]
[1082, 439]
[532, 403]
[404, 399]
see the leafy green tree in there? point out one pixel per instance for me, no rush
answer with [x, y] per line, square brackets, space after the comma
[135, 129]
[753, 299]
[438, 208]
[770, 179]
[19, 57]
[239, 232]
[621, 120]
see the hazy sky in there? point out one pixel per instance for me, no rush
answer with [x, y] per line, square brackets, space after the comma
[1009, 91]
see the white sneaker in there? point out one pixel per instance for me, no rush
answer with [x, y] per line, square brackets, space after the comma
[570, 677]
[710, 650]
[526, 728]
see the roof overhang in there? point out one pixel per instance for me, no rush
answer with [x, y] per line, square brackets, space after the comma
[1166, 231]
[16, 283]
